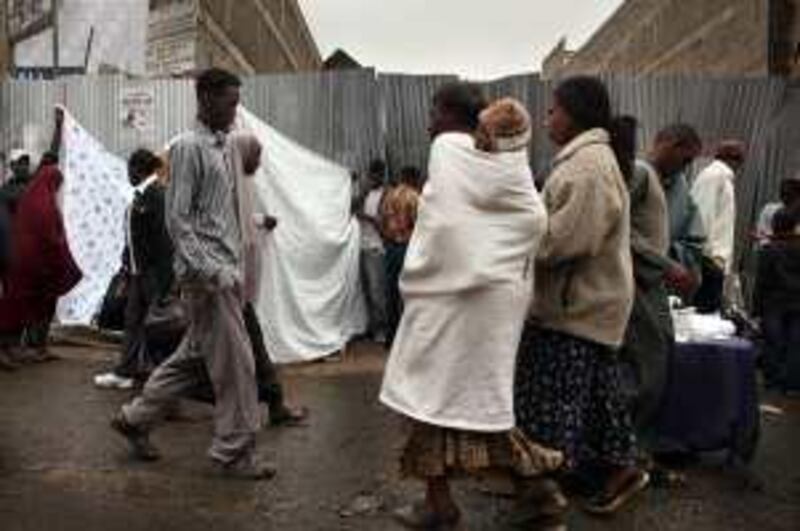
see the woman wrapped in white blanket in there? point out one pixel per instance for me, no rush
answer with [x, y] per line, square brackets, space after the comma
[467, 284]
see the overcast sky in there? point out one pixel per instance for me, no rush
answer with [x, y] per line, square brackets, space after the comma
[479, 39]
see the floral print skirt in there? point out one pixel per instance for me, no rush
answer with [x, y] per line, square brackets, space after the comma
[569, 396]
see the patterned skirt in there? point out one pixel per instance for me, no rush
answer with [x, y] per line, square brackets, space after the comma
[432, 451]
[568, 395]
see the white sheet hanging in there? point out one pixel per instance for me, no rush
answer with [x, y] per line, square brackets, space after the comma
[96, 193]
[310, 300]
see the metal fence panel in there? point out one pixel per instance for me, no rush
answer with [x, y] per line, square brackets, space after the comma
[335, 114]
[353, 116]
[405, 107]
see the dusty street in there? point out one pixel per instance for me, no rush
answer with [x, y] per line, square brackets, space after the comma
[61, 468]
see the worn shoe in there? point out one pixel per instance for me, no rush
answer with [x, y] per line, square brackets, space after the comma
[418, 516]
[6, 363]
[20, 356]
[44, 355]
[138, 439]
[248, 469]
[110, 380]
[540, 506]
[285, 416]
[552, 522]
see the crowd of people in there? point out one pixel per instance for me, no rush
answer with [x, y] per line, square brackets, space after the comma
[537, 329]
[529, 329]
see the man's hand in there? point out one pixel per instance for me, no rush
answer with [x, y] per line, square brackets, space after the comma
[680, 279]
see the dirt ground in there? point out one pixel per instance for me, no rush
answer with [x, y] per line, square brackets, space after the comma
[61, 468]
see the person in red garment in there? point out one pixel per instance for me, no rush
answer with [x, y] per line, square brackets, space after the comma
[41, 267]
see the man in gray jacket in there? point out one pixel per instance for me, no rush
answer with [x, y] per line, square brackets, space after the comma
[650, 334]
[201, 213]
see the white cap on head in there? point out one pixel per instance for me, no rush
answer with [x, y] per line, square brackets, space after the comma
[16, 154]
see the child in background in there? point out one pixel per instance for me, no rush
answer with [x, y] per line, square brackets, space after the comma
[777, 301]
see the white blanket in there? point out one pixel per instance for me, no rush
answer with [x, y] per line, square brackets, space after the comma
[467, 284]
[310, 300]
[96, 193]
[693, 327]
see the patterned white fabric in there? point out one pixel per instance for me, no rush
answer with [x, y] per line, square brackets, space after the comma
[96, 194]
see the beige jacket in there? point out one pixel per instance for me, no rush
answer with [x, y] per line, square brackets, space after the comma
[584, 273]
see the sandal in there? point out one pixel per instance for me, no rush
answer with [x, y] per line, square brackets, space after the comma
[418, 516]
[606, 503]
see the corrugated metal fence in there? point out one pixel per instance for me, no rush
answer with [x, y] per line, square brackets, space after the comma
[353, 116]
[335, 114]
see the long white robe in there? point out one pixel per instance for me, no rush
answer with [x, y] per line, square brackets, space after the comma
[467, 284]
[713, 191]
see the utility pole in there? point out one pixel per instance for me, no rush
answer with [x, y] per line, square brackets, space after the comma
[54, 14]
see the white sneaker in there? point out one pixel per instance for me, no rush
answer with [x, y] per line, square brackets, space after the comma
[110, 380]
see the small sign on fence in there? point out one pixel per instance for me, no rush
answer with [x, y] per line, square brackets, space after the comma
[137, 109]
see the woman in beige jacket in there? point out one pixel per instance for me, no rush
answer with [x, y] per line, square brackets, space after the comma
[568, 391]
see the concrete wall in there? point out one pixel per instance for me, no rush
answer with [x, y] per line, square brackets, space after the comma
[256, 36]
[708, 37]
[245, 36]
[557, 60]
[172, 37]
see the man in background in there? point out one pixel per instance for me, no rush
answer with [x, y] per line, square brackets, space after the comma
[673, 151]
[19, 162]
[649, 337]
[788, 194]
[714, 193]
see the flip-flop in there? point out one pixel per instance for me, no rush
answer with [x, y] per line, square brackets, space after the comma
[608, 503]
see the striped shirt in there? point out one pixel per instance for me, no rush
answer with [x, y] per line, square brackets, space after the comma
[201, 209]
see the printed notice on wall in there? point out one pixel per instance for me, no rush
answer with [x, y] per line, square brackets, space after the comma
[138, 109]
